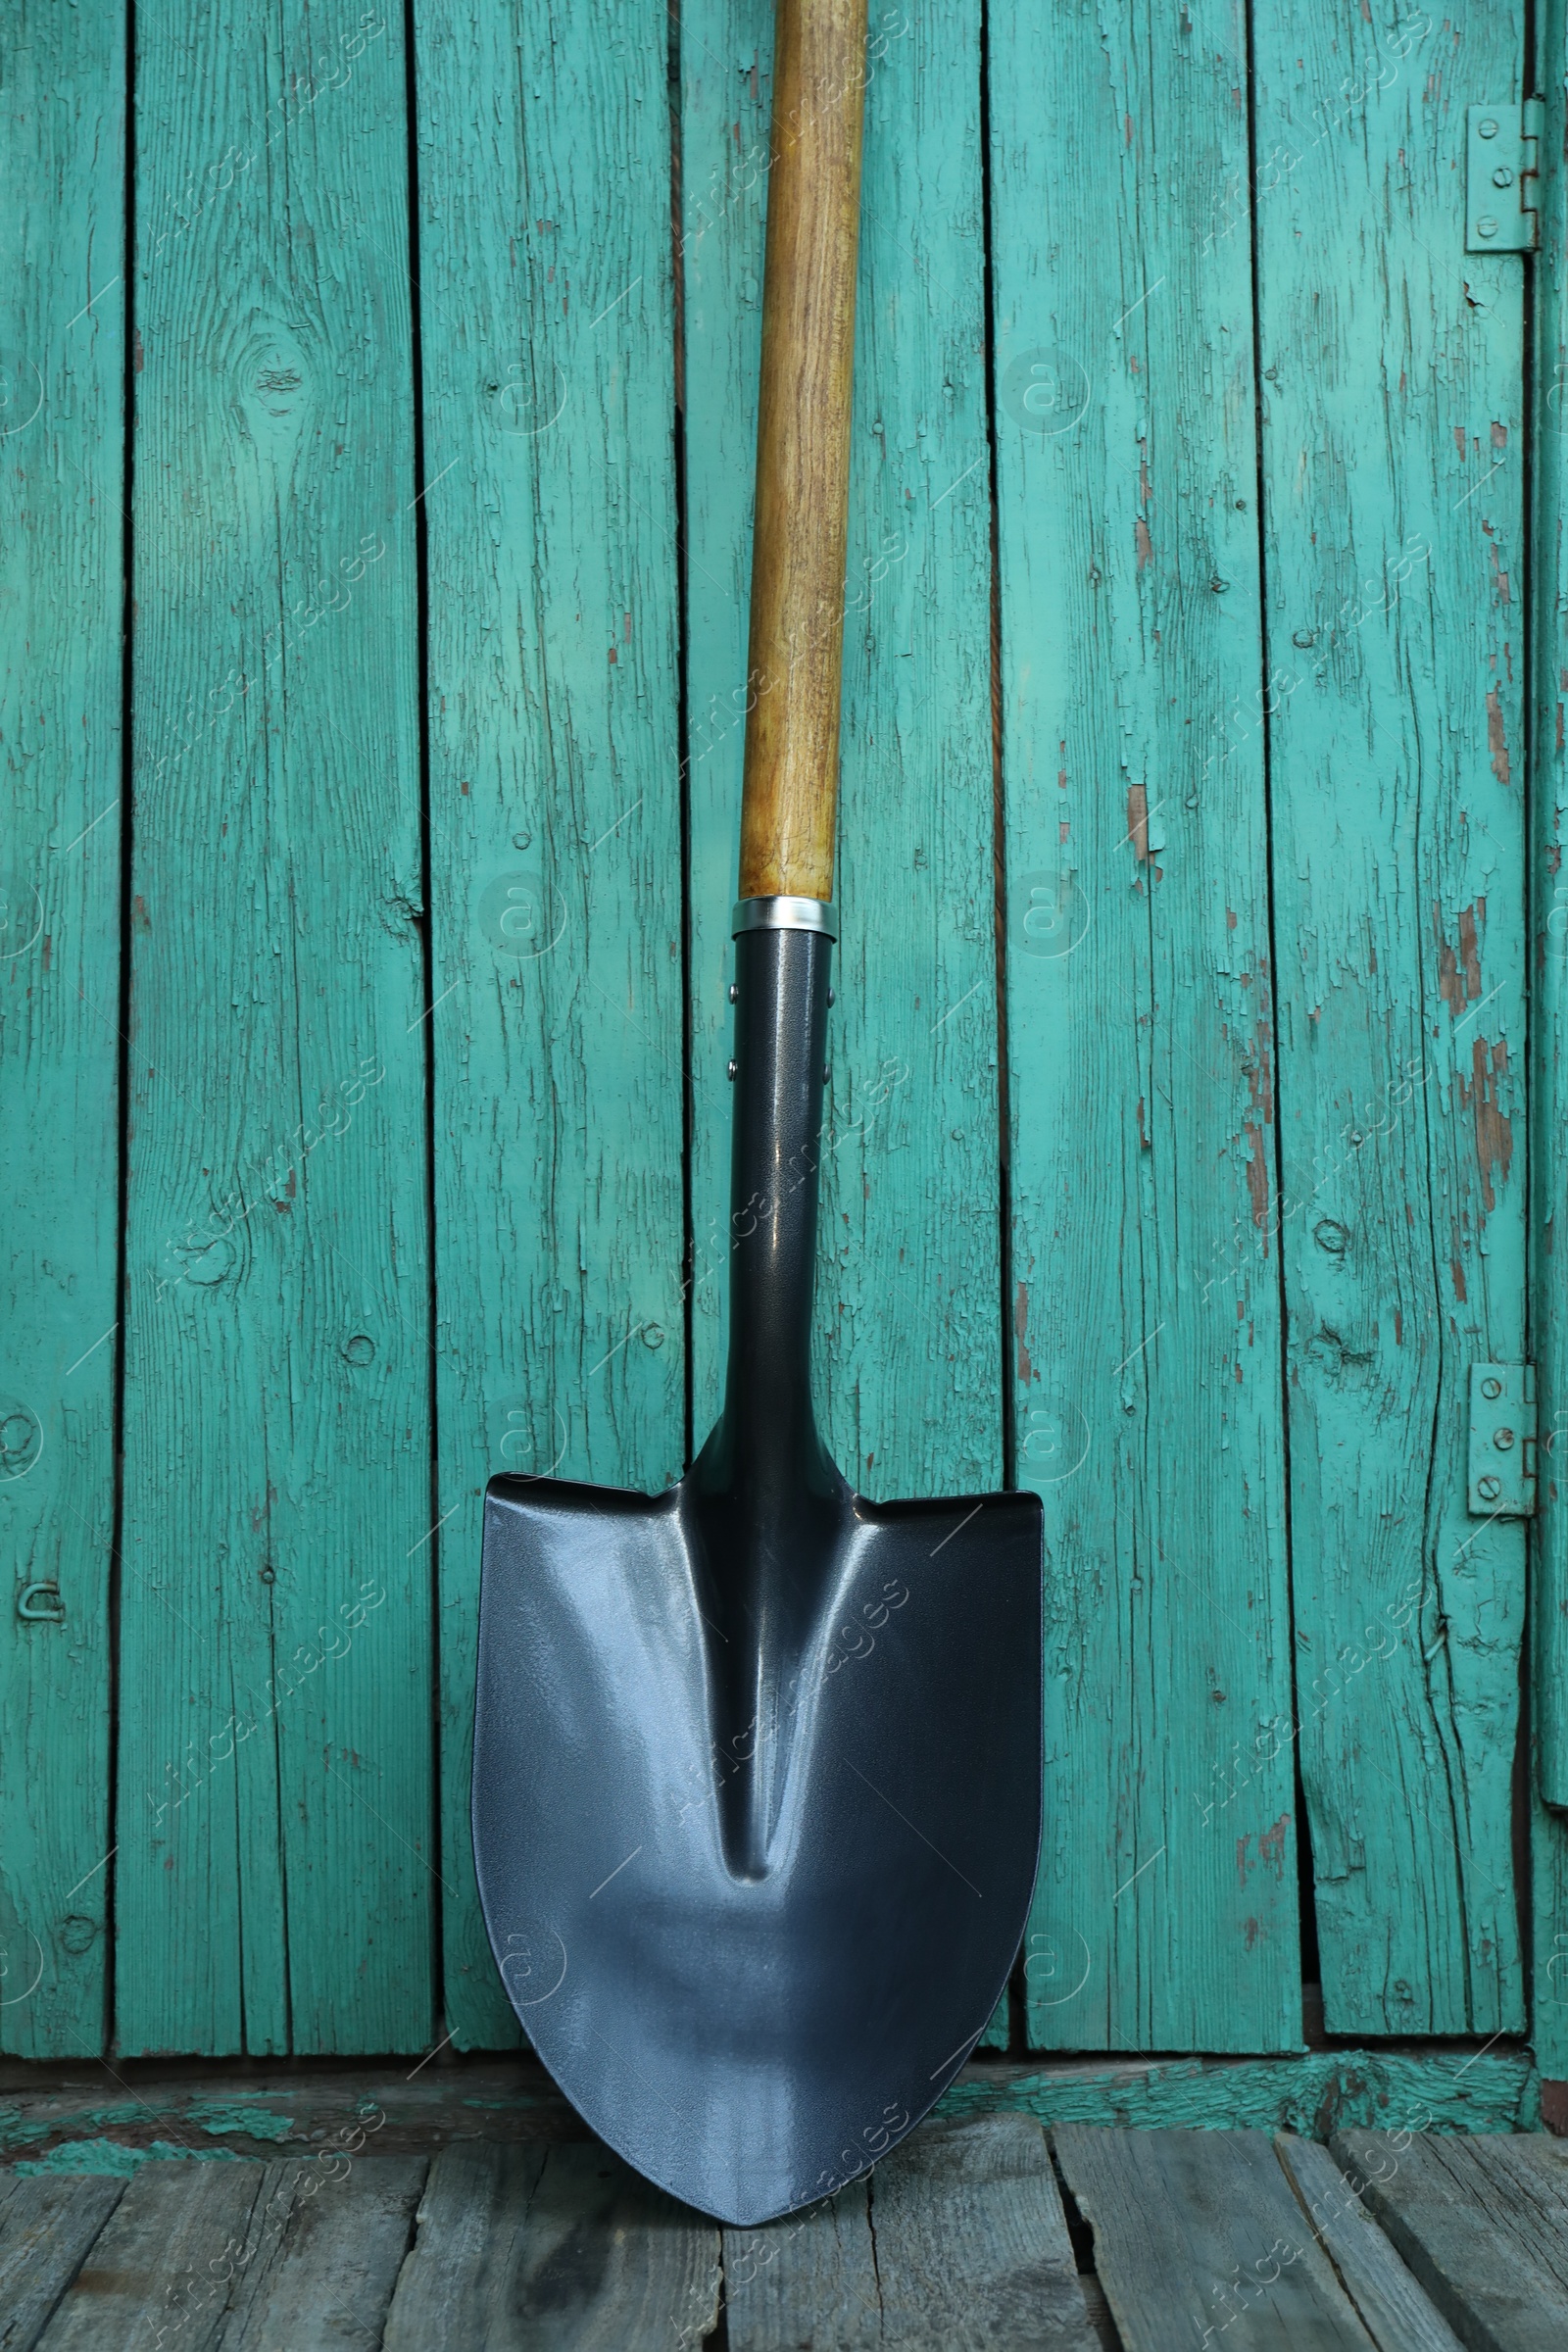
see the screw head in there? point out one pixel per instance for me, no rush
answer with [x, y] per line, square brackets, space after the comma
[830, 996]
[734, 1070]
[1486, 227]
[1492, 1386]
[1502, 177]
[1503, 1440]
[734, 993]
[1488, 1487]
[1487, 129]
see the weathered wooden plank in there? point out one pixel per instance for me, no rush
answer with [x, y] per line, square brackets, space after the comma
[165, 2259]
[323, 2257]
[328, 2115]
[909, 1263]
[274, 1864]
[1460, 2090]
[1482, 2223]
[1548, 1930]
[453, 2287]
[811, 2273]
[972, 2243]
[1548, 1022]
[519, 2247]
[1148, 1397]
[1393, 421]
[546, 277]
[245, 2257]
[1400, 2316]
[958, 2238]
[62, 362]
[1198, 2239]
[46, 2228]
[726, 57]
[1549, 910]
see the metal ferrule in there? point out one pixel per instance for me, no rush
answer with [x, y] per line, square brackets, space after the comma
[784, 915]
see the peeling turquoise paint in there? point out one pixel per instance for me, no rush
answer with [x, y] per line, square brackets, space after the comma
[111, 2156]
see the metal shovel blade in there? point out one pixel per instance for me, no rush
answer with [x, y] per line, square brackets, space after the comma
[757, 1762]
[751, 2030]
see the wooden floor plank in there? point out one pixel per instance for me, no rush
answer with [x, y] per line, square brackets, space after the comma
[545, 275]
[1198, 2239]
[956, 2240]
[324, 2271]
[1400, 2316]
[275, 1872]
[164, 2260]
[62, 379]
[813, 2273]
[524, 2250]
[455, 2282]
[972, 2243]
[1482, 2223]
[1148, 1397]
[47, 2226]
[1393, 417]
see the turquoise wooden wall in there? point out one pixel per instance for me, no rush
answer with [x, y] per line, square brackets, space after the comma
[376, 399]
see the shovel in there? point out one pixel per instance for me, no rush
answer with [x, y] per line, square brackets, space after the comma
[757, 1762]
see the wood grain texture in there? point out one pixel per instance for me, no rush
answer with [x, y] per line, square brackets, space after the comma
[972, 2243]
[62, 360]
[1198, 2239]
[323, 2257]
[1548, 1018]
[1549, 1935]
[1483, 2224]
[811, 2273]
[1392, 421]
[166, 2259]
[956, 2240]
[1139, 1028]
[907, 1351]
[46, 2228]
[327, 2113]
[803, 450]
[524, 2248]
[275, 1853]
[1548, 909]
[243, 2257]
[545, 270]
[1460, 2090]
[1398, 2315]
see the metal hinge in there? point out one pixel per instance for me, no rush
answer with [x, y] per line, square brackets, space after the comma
[1502, 1440]
[1499, 181]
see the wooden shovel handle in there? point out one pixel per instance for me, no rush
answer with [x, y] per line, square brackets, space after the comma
[803, 451]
